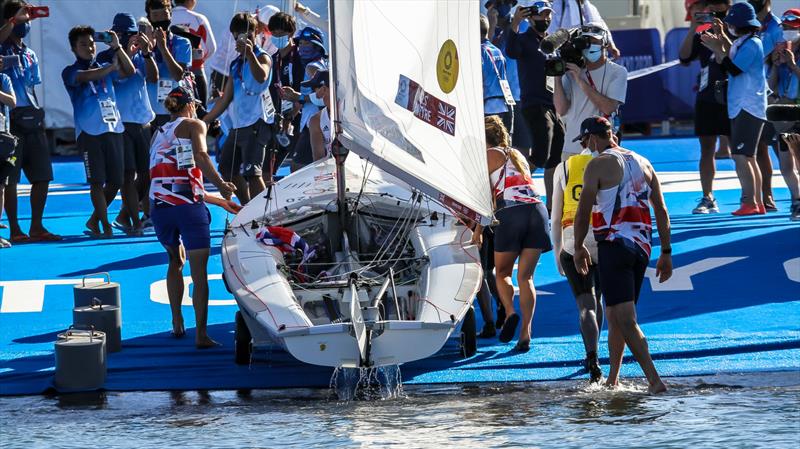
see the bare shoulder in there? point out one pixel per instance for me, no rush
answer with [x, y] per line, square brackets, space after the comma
[189, 127]
[495, 158]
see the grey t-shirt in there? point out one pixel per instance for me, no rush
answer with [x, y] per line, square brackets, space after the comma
[610, 80]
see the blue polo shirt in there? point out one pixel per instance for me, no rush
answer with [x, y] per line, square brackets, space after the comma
[24, 76]
[133, 101]
[181, 50]
[771, 33]
[247, 92]
[7, 88]
[493, 64]
[86, 99]
[748, 90]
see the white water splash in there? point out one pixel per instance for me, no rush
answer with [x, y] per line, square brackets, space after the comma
[367, 384]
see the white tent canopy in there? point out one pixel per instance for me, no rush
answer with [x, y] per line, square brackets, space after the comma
[48, 37]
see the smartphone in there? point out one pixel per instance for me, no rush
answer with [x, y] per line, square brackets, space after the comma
[241, 37]
[704, 17]
[103, 36]
[36, 12]
[10, 61]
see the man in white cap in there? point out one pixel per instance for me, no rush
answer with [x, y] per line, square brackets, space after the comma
[575, 13]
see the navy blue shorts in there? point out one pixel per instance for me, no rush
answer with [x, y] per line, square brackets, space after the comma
[622, 269]
[187, 224]
[522, 227]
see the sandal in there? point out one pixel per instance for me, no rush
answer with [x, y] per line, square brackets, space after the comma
[45, 237]
[20, 238]
[4, 243]
[522, 346]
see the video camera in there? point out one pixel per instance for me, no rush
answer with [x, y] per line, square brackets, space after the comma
[570, 45]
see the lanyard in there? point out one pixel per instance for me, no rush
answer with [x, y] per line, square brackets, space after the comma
[602, 84]
[494, 65]
[102, 84]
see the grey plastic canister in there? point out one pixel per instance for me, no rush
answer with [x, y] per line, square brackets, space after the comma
[80, 360]
[106, 319]
[107, 292]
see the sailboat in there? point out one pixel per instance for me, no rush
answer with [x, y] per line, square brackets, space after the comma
[367, 260]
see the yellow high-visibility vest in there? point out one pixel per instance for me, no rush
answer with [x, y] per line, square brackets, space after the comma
[574, 167]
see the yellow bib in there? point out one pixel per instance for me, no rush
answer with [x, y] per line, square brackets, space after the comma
[575, 166]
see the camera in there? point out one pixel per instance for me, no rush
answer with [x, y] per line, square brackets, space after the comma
[570, 45]
[103, 36]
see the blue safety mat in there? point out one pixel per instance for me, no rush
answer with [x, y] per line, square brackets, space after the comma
[732, 306]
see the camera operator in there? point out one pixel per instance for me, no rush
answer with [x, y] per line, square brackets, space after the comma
[497, 97]
[710, 116]
[173, 55]
[577, 13]
[784, 81]
[247, 92]
[536, 90]
[98, 124]
[134, 108]
[598, 88]
[27, 124]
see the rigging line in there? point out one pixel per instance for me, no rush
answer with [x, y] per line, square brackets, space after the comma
[393, 237]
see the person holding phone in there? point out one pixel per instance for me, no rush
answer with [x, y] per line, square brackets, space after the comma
[253, 111]
[711, 117]
[184, 14]
[27, 124]
[98, 124]
[136, 112]
[173, 56]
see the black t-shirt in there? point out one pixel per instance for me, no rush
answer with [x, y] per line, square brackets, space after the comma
[708, 63]
[533, 83]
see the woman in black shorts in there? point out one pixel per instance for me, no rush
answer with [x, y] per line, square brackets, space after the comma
[521, 233]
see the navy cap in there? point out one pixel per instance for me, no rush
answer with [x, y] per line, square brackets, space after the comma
[312, 35]
[321, 78]
[593, 125]
[742, 15]
[183, 95]
[124, 23]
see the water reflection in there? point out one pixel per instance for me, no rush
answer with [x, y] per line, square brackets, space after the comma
[93, 400]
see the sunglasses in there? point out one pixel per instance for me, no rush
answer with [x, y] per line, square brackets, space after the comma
[593, 30]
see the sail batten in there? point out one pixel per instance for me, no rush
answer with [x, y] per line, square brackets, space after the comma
[410, 95]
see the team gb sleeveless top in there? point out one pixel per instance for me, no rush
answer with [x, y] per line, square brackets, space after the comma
[175, 180]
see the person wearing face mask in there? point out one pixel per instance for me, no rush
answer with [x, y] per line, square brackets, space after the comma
[98, 124]
[784, 80]
[136, 113]
[567, 186]
[252, 111]
[619, 189]
[599, 88]
[320, 124]
[307, 56]
[178, 163]
[497, 97]
[184, 15]
[743, 60]
[771, 35]
[570, 14]
[536, 90]
[710, 117]
[173, 55]
[27, 124]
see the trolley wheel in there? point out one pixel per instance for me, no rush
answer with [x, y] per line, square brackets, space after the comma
[243, 346]
[469, 338]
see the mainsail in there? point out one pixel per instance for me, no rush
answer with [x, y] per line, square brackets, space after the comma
[409, 88]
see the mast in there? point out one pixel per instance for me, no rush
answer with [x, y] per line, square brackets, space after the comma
[338, 150]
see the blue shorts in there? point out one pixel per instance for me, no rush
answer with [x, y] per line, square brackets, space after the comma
[187, 224]
[521, 227]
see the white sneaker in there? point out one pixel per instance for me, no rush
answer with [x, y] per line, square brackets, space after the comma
[706, 206]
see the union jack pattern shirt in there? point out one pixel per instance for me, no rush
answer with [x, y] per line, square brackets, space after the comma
[510, 187]
[169, 185]
[623, 212]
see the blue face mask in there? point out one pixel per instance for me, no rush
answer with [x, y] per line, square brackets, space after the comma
[308, 52]
[22, 29]
[593, 53]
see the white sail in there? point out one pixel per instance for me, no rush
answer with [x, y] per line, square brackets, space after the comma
[408, 82]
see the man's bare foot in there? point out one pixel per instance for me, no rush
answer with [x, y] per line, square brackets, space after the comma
[657, 388]
[205, 343]
[93, 226]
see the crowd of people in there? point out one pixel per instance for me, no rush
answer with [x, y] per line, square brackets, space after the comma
[143, 108]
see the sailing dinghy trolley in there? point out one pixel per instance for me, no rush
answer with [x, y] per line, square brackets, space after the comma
[80, 359]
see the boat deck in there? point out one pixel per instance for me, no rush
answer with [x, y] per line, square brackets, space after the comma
[733, 304]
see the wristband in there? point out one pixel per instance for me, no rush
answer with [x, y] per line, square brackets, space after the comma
[666, 250]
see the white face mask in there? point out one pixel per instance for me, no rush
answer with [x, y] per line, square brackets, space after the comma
[791, 35]
[593, 53]
[316, 101]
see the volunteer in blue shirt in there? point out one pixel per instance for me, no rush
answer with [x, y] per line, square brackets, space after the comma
[134, 108]
[743, 59]
[98, 125]
[497, 96]
[173, 55]
[33, 152]
[247, 93]
[771, 34]
[7, 102]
